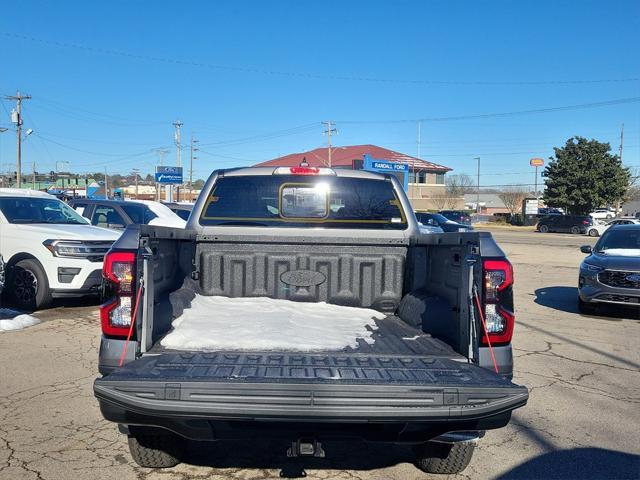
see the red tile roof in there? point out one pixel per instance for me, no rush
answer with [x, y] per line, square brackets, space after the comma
[344, 156]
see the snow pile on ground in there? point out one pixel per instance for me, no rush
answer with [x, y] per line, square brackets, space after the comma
[12, 320]
[222, 323]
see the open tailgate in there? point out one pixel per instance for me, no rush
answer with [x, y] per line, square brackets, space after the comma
[303, 387]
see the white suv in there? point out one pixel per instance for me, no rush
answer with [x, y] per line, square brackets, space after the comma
[50, 251]
[602, 214]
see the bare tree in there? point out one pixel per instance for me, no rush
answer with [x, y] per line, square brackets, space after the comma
[441, 201]
[513, 198]
[456, 187]
[633, 190]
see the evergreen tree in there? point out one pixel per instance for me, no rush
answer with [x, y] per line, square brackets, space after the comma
[584, 175]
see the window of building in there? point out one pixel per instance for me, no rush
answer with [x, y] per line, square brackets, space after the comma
[439, 178]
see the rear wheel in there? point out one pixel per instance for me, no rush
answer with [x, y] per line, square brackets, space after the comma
[593, 232]
[575, 230]
[444, 458]
[543, 229]
[156, 451]
[28, 285]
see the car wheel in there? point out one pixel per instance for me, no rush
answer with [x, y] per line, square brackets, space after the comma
[28, 285]
[543, 229]
[156, 451]
[593, 233]
[585, 307]
[575, 230]
[609, 216]
[444, 458]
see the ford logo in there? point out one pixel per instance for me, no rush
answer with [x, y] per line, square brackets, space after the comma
[302, 278]
[634, 277]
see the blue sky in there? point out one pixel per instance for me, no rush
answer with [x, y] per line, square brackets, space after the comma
[252, 80]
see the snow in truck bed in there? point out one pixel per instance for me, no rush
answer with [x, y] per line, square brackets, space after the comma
[263, 324]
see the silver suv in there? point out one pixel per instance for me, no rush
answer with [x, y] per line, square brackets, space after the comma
[611, 272]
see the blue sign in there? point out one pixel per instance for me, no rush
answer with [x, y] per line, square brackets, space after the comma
[400, 170]
[169, 175]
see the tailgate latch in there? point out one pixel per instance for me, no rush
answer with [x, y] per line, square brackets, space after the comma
[306, 447]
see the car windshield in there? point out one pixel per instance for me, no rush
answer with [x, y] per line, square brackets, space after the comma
[303, 201]
[39, 210]
[440, 218]
[619, 241]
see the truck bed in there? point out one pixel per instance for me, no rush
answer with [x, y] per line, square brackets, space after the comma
[404, 375]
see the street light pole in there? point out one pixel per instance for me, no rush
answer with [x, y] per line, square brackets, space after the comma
[478, 187]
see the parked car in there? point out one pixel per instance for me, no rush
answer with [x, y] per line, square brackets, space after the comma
[438, 220]
[429, 228]
[602, 214]
[117, 214]
[459, 216]
[598, 228]
[429, 376]
[183, 210]
[611, 272]
[49, 249]
[565, 223]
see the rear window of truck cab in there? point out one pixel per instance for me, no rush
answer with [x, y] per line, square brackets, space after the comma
[303, 201]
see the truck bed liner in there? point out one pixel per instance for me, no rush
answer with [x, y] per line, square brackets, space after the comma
[404, 374]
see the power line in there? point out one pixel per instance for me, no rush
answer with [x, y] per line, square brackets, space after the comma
[306, 75]
[619, 101]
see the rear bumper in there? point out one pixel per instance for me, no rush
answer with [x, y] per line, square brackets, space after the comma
[209, 410]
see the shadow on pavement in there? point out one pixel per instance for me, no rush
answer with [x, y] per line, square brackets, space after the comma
[565, 299]
[559, 298]
[263, 454]
[583, 463]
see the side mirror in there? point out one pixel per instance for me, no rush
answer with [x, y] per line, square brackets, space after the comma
[585, 249]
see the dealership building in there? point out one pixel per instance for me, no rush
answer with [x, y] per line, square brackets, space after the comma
[425, 180]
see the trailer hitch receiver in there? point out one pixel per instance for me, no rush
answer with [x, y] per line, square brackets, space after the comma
[306, 447]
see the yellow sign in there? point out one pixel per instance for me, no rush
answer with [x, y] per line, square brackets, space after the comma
[536, 162]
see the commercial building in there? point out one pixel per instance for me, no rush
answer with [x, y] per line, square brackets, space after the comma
[426, 179]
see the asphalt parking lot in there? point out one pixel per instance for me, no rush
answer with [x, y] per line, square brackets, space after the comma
[582, 420]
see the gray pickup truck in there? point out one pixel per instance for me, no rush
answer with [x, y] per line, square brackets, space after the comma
[434, 370]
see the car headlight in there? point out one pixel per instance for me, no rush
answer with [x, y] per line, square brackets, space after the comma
[92, 250]
[591, 268]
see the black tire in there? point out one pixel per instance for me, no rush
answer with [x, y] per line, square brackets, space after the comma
[575, 230]
[28, 285]
[593, 232]
[444, 458]
[543, 229]
[586, 308]
[156, 451]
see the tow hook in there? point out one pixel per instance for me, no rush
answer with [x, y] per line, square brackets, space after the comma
[305, 447]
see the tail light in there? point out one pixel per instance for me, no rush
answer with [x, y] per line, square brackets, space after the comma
[498, 301]
[304, 171]
[119, 273]
[586, 222]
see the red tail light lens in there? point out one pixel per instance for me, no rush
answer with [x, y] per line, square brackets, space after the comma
[304, 171]
[498, 301]
[115, 315]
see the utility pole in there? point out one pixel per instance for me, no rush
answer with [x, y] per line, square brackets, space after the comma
[619, 203]
[191, 158]
[177, 138]
[178, 125]
[328, 132]
[135, 174]
[478, 191]
[33, 182]
[621, 141]
[16, 117]
[106, 184]
[413, 164]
